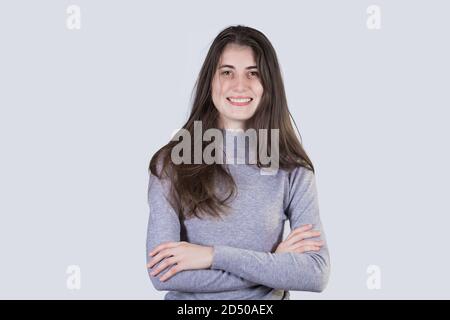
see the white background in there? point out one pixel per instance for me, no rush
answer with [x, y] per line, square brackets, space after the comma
[82, 111]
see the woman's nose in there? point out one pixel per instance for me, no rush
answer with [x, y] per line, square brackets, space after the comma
[241, 83]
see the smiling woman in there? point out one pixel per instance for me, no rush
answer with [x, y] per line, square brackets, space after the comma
[236, 87]
[215, 230]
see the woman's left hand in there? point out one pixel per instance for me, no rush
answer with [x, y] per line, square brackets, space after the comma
[183, 255]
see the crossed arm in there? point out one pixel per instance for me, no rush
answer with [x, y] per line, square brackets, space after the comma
[164, 226]
[236, 268]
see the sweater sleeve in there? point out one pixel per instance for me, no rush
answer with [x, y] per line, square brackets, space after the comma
[308, 271]
[164, 226]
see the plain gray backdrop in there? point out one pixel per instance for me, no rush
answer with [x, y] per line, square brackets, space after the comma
[82, 111]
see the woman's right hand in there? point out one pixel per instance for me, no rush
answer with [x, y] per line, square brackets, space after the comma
[296, 242]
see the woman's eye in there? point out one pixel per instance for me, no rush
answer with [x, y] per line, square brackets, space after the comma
[251, 73]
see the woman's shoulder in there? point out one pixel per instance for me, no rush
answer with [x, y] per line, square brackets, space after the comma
[300, 174]
[160, 165]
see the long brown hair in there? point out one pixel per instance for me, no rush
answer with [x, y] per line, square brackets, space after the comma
[192, 186]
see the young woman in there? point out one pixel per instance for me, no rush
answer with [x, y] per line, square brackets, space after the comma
[215, 229]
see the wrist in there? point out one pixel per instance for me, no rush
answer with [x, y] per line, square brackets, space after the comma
[211, 256]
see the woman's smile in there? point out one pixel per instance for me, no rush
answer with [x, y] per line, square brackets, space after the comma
[239, 101]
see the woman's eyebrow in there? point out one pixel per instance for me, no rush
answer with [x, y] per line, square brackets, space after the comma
[232, 67]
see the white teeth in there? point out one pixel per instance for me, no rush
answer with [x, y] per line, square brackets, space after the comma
[240, 100]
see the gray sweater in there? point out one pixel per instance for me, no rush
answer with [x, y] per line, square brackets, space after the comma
[244, 265]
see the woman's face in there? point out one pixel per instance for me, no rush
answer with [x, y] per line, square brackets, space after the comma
[236, 86]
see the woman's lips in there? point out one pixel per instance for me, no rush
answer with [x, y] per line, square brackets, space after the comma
[239, 101]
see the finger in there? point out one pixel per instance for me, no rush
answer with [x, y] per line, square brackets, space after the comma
[163, 254]
[302, 236]
[308, 243]
[168, 262]
[307, 248]
[155, 260]
[174, 270]
[165, 245]
[300, 229]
